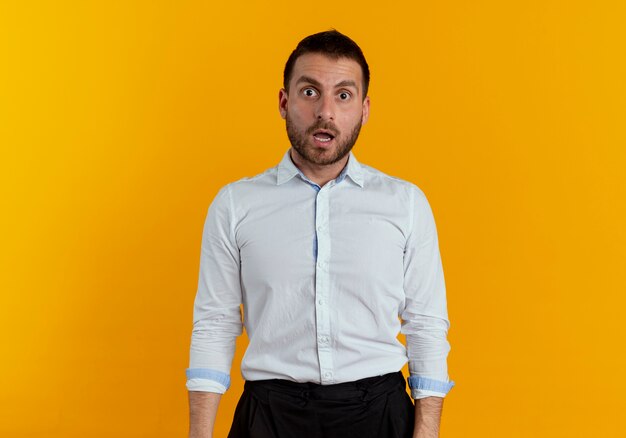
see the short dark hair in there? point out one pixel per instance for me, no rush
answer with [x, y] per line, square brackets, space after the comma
[332, 44]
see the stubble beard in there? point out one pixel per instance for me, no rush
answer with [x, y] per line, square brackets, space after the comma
[301, 143]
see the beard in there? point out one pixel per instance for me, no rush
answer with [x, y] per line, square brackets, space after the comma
[302, 144]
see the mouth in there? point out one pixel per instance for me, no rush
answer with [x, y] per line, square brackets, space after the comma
[323, 137]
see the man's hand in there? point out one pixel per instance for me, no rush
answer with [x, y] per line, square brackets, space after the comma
[202, 413]
[427, 417]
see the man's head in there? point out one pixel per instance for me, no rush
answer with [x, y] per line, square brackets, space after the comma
[334, 45]
[324, 100]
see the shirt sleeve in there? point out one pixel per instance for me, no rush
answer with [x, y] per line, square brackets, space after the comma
[216, 312]
[425, 316]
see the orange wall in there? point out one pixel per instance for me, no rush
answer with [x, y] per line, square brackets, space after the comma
[120, 120]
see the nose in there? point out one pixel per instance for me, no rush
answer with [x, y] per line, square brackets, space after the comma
[326, 108]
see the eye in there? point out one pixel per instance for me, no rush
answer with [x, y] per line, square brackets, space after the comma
[344, 95]
[309, 92]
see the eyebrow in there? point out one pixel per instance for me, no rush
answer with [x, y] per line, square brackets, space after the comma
[310, 80]
[346, 83]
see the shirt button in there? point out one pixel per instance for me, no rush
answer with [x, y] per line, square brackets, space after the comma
[320, 264]
[321, 302]
[323, 339]
[328, 374]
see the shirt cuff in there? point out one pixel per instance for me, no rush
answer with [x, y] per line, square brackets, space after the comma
[207, 380]
[422, 387]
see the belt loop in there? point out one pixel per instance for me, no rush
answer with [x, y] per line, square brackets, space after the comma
[365, 394]
[364, 388]
[304, 397]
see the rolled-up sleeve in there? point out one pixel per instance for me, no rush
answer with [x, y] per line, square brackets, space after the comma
[425, 317]
[216, 313]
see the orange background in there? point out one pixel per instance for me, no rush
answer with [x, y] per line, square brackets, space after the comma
[120, 120]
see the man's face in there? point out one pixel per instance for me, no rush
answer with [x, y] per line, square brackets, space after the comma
[324, 107]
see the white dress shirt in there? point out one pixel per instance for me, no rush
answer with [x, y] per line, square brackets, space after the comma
[328, 277]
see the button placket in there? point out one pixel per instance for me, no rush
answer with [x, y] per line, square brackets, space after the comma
[322, 285]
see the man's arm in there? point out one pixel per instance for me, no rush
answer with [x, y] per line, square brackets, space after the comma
[216, 316]
[425, 319]
[202, 413]
[427, 417]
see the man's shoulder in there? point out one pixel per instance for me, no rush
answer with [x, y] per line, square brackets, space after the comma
[264, 178]
[378, 177]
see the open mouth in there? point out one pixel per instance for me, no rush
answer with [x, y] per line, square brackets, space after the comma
[323, 137]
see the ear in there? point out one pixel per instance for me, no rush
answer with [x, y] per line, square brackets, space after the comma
[282, 102]
[366, 110]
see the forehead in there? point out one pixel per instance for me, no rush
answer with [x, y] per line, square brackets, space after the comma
[326, 70]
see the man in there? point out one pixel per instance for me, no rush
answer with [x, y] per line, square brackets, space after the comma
[326, 254]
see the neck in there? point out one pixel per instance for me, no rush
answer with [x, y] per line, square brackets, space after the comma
[320, 174]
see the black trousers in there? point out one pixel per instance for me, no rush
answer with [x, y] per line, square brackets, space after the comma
[373, 407]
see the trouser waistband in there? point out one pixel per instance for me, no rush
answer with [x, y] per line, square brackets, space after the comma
[362, 389]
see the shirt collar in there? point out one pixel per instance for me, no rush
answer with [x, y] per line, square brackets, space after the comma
[287, 170]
